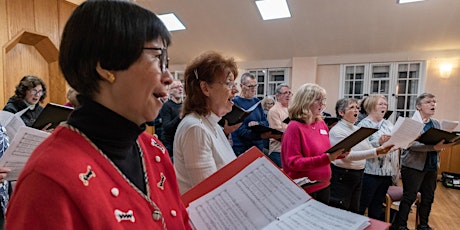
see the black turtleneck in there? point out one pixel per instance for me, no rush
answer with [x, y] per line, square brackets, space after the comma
[113, 134]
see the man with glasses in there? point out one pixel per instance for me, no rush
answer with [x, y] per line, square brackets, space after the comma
[169, 114]
[243, 138]
[276, 115]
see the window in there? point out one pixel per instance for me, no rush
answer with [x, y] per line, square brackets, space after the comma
[400, 82]
[268, 79]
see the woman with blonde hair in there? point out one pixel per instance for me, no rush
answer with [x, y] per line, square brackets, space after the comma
[382, 171]
[306, 139]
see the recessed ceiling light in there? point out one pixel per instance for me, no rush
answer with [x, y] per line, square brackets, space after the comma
[273, 9]
[171, 22]
[408, 1]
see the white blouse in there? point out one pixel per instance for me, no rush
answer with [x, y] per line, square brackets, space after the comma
[200, 149]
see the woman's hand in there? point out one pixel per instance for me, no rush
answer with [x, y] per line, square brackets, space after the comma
[3, 173]
[384, 150]
[230, 129]
[440, 146]
[47, 129]
[384, 138]
[341, 153]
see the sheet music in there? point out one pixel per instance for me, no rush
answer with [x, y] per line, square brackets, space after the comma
[16, 156]
[404, 132]
[316, 215]
[250, 200]
[448, 126]
[11, 122]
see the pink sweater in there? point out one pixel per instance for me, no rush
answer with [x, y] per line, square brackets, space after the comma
[302, 153]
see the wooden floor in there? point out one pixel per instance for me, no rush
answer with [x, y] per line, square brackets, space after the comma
[445, 213]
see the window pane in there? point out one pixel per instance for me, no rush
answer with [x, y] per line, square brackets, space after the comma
[411, 102]
[413, 86]
[358, 87]
[401, 88]
[400, 102]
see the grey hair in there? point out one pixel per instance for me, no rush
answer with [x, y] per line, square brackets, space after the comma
[342, 105]
[422, 96]
[280, 86]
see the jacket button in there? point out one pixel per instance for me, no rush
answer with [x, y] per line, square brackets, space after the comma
[156, 215]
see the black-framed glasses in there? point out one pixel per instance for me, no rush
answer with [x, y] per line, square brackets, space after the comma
[163, 57]
[36, 92]
[251, 86]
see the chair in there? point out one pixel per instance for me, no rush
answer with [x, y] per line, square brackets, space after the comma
[392, 199]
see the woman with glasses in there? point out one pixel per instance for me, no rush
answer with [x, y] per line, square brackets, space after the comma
[306, 140]
[380, 172]
[420, 164]
[347, 173]
[200, 145]
[29, 93]
[101, 170]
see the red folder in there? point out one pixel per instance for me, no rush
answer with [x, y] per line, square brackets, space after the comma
[230, 170]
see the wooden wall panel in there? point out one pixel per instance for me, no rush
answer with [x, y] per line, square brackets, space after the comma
[23, 60]
[65, 10]
[20, 16]
[3, 40]
[47, 20]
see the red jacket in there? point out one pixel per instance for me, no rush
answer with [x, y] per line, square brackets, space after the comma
[68, 184]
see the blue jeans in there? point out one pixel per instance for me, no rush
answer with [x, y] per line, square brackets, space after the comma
[276, 158]
[373, 195]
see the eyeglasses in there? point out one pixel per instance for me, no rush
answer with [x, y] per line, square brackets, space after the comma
[321, 100]
[163, 58]
[354, 107]
[36, 92]
[251, 86]
[287, 93]
[229, 84]
[270, 103]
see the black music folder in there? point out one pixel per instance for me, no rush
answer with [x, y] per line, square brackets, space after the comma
[352, 140]
[52, 113]
[263, 129]
[433, 136]
[237, 115]
[387, 114]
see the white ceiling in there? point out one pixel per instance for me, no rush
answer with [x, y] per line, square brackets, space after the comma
[317, 28]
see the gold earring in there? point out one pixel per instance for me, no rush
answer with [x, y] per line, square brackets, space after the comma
[110, 77]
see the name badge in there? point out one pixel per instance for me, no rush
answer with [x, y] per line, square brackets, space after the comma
[322, 131]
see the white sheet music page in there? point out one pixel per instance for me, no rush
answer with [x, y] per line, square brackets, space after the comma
[253, 198]
[318, 216]
[11, 122]
[404, 132]
[448, 126]
[16, 156]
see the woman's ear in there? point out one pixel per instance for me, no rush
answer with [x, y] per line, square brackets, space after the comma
[204, 88]
[105, 74]
[341, 113]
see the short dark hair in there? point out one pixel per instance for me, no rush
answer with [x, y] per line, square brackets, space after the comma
[207, 67]
[29, 82]
[111, 33]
